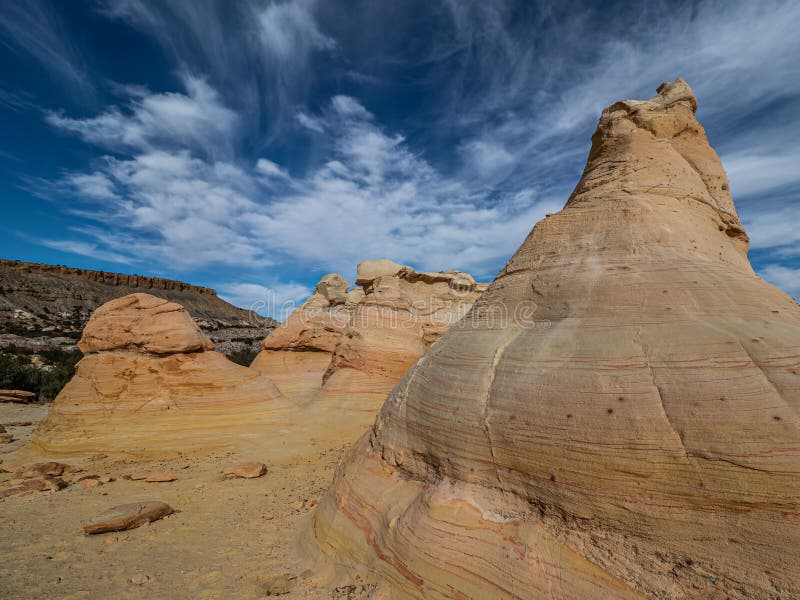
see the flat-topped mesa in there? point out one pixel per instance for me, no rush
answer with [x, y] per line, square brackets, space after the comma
[637, 435]
[143, 323]
[150, 382]
[657, 149]
[109, 278]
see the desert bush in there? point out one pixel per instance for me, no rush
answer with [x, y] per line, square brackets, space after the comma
[243, 357]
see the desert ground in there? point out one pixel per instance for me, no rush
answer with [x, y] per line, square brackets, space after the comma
[228, 538]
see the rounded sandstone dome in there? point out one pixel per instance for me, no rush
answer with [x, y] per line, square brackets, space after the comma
[143, 323]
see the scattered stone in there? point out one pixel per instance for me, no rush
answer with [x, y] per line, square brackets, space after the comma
[17, 396]
[6, 438]
[296, 505]
[361, 591]
[139, 579]
[15, 491]
[127, 516]
[277, 585]
[249, 470]
[154, 477]
[54, 469]
[107, 479]
[44, 484]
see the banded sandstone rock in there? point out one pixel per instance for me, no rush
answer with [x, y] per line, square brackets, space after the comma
[296, 353]
[402, 314]
[150, 382]
[640, 439]
[362, 341]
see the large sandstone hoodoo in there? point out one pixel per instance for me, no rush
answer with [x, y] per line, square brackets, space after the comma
[644, 444]
[150, 382]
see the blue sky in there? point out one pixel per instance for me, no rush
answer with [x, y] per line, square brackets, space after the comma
[254, 146]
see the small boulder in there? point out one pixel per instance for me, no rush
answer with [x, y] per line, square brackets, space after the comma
[154, 477]
[44, 484]
[90, 483]
[277, 585]
[127, 516]
[249, 470]
[53, 469]
[17, 396]
[15, 491]
[6, 438]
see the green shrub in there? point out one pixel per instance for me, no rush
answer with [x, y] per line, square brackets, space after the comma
[17, 371]
[243, 357]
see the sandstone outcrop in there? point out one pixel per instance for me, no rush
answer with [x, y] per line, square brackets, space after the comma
[637, 436]
[402, 313]
[296, 354]
[150, 382]
[362, 341]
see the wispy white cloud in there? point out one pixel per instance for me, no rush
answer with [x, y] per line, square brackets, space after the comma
[33, 27]
[86, 249]
[257, 53]
[775, 228]
[752, 173]
[196, 120]
[289, 30]
[786, 278]
[276, 301]
[373, 197]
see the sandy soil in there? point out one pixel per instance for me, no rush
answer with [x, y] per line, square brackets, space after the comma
[227, 538]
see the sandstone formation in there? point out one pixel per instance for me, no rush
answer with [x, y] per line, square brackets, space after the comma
[402, 313]
[150, 382]
[638, 437]
[297, 352]
[362, 341]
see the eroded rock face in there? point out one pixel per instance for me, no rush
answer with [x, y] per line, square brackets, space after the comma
[142, 322]
[151, 383]
[296, 353]
[637, 436]
[363, 340]
[402, 314]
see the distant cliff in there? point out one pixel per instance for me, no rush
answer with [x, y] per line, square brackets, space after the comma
[41, 302]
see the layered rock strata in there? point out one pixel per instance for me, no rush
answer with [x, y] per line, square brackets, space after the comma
[638, 438]
[363, 340]
[150, 382]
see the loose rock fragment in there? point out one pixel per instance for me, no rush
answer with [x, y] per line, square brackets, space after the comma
[249, 470]
[127, 516]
